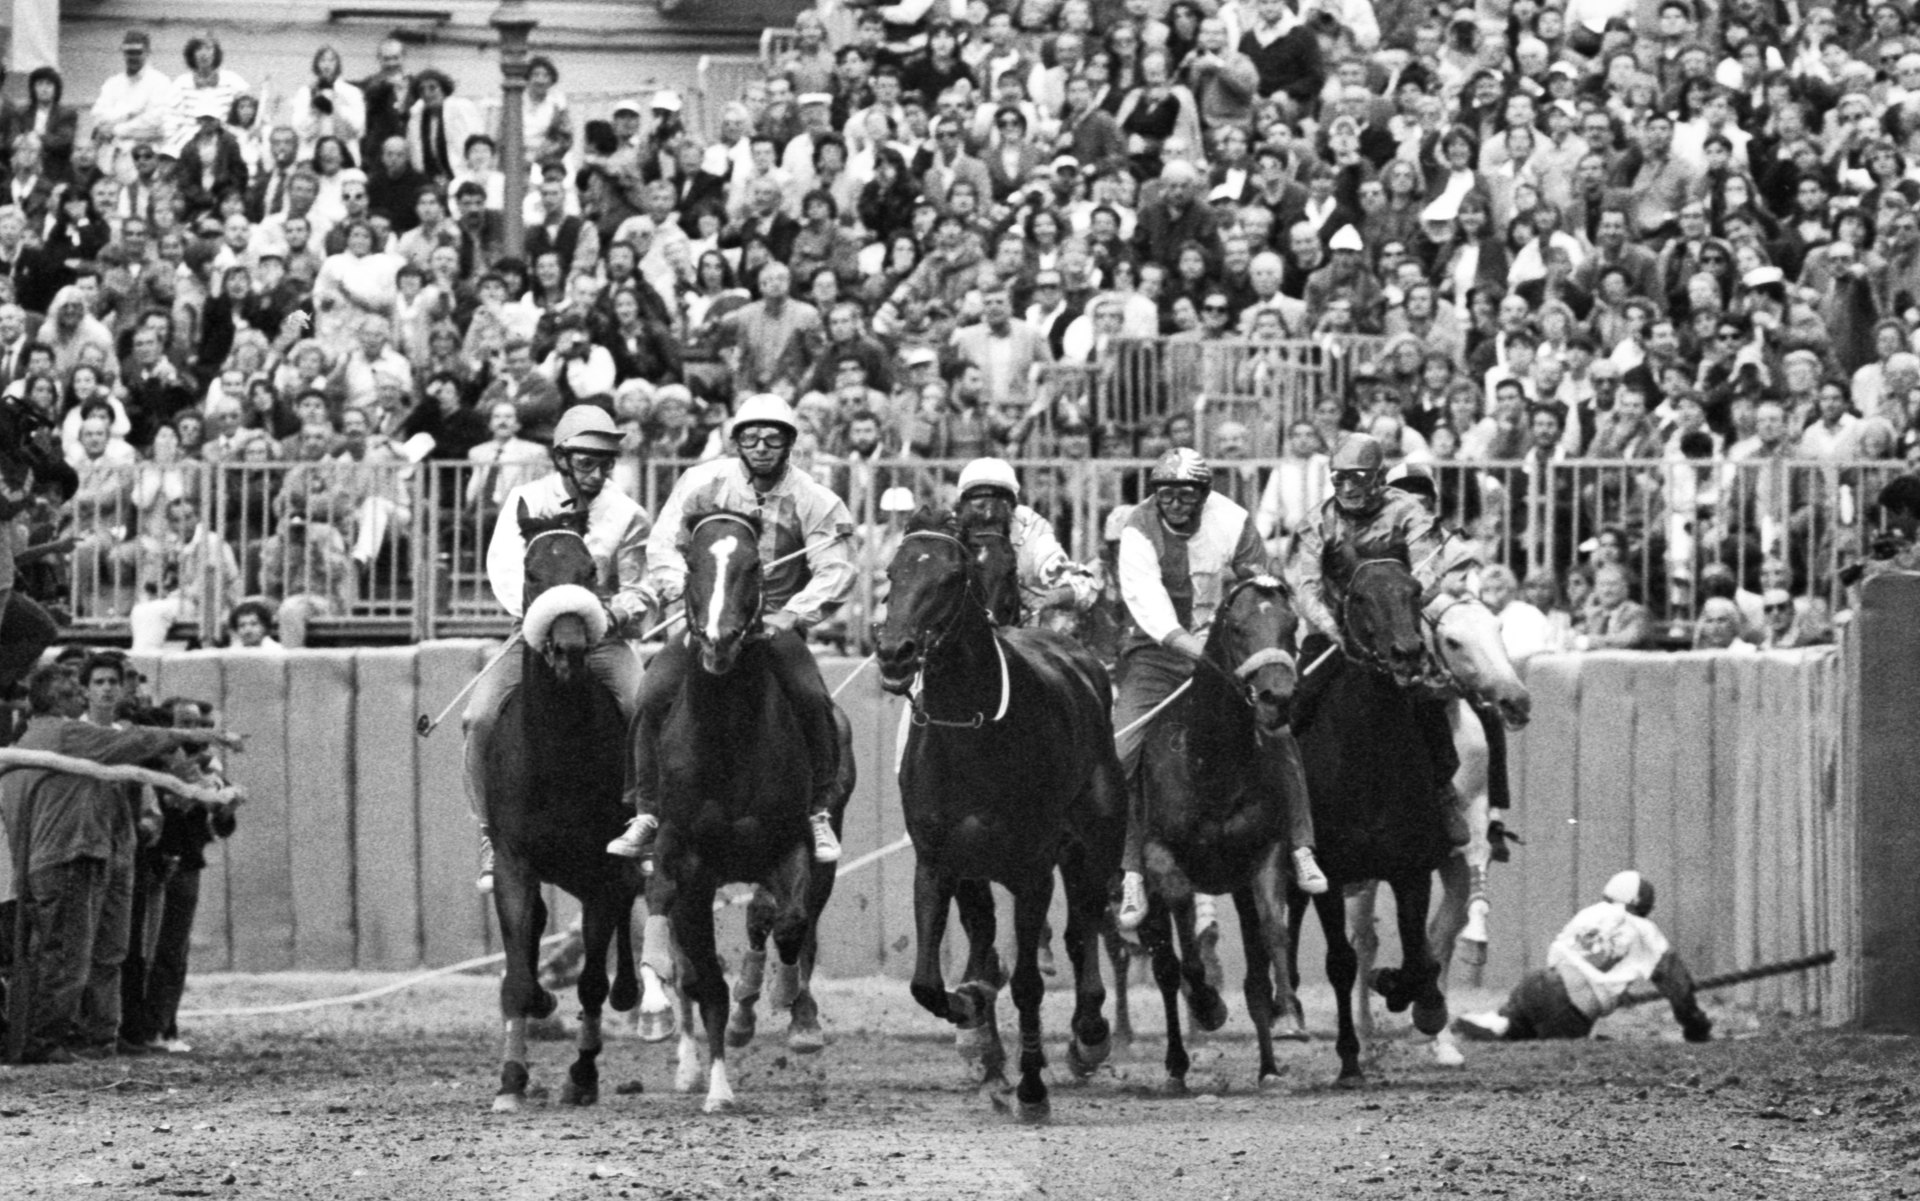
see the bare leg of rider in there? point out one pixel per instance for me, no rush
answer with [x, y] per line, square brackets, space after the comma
[799, 675]
[665, 673]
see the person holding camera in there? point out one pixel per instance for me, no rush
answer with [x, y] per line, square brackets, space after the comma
[580, 367]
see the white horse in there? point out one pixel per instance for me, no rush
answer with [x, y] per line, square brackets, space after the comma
[1463, 637]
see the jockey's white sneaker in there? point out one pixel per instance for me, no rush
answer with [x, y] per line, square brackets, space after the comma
[826, 848]
[484, 883]
[1307, 876]
[1482, 1026]
[1133, 902]
[633, 842]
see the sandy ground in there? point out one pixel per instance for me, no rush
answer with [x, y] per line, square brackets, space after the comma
[390, 1098]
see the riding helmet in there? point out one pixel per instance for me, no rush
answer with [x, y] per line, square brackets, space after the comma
[1182, 466]
[1416, 478]
[1631, 889]
[765, 409]
[1357, 452]
[989, 473]
[586, 427]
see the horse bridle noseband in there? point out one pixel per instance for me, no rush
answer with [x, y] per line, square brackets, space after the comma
[1267, 656]
[1442, 673]
[1357, 648]
[694, 633]
[917, 711]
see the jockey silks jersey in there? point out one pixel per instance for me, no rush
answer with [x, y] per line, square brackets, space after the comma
[616, 535]
[1603, 952]
[796, 513]
[1173, 582]
[1400, 528]
[1044, 566]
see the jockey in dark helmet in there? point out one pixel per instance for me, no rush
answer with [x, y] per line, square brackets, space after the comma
[1179, 553]
[795, 512]
[989, 490]
[1371, 521]
[586, 443]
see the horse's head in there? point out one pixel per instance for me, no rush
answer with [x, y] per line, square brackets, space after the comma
[724, 585]
[932, 583]
[996, 564]
[1380, 617]
[1252, 640]
[563, 618]
[1464, 638]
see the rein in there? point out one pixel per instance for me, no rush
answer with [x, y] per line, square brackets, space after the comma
[938, 638]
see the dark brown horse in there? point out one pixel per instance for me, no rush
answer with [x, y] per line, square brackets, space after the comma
[733, 804]
[1008, 773]
[1375, 814]
[554, 768]
[1214, 783]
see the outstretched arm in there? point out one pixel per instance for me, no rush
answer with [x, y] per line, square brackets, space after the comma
[15, 758]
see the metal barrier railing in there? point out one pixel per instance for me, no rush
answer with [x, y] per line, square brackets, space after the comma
[388, 549]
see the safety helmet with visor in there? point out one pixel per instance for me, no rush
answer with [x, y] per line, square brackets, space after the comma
[586, 443]
[1180, 481]
[1356, 466]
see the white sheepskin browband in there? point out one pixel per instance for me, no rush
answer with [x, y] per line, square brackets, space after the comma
[557, 601]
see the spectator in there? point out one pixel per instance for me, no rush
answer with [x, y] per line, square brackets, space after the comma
[1612, 620]
[1718, 628]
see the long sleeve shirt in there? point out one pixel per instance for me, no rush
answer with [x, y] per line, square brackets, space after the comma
[1043, 565]
[795, 513]
[1603, 952]
[76, 817]
[617, 529]
[1399, 526]
[1174, 582]
[135, 108]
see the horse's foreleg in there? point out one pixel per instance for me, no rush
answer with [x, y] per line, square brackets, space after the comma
[794, 894]
[1290, 1018]
[1363, 932]
[517, 905]
[1419, 973]
[625, 993]
[705, 985]
[932, 893]
[1204, 1002]
[978, 1038]
[1261, 904]
[1029, 990]
[753, 969]
[1156, 934]
[1120, 957]
[658, 979]
[1448, 925]
[1086, 907]
[1342, 969]
[597, 921]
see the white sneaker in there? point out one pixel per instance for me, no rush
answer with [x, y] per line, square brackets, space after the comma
[826, 848]
[484, 882]
[175, 1046]
[637, 838]
[1133, 902]
[1307, 876]
[1482, 1027]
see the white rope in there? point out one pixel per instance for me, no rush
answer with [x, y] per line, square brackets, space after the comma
[851, 677]
[481, 961]
[1152, 713]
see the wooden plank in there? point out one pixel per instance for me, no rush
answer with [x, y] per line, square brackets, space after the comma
[454, 915]
[260, 877]
[200, 677]
[894, 880]
[1552, 743]
[1733, 784]
[1603, 800]
[1775, 746]
[385, 821]
[1650, 789]
[1688, 880]
[320, 821]
[850, 927]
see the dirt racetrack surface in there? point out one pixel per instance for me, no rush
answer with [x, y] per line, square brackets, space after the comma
[390, 1099]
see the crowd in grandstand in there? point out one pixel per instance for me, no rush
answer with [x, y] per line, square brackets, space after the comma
[1679, 239]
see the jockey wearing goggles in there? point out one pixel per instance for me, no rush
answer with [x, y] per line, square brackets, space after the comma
[1178, 557]
[990, 493]
[1367, 520]
[585, 446]
[795, 511]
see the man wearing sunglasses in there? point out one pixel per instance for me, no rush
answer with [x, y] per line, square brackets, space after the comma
[1368, 520]
[586, 443]
[795, 512]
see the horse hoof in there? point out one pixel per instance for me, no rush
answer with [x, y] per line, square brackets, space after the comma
[1270, 1081]
[1430, 1017]
[1350, 1076]
[1448, 1055]
[1472, 952]
[1209, 1011]
[973, 1041]
[1174, 1086]
[806, 1040]
[717, 1105]
[1287, 1029]
[1084, 1058]
[1036, 1113]
[741, 1029]
[575, 1094]
[1386, 981]
[508, 1102]
[657, 1027]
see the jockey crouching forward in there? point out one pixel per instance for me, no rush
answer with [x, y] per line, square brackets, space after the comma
[1178, 556]
[586, 444]
[990, 492]
[1366, 520]
[795, 512]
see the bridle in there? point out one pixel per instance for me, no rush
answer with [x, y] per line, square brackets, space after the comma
[1441, 672]
[694, 632]
[1358, 648]
[938, 637]
[1242, 674]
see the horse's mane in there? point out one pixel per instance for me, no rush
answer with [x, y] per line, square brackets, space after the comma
[934, 519]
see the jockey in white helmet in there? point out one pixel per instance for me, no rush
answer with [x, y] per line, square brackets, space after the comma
[795, 513]
[1179, 554]
[586, 444]
[1048, 578]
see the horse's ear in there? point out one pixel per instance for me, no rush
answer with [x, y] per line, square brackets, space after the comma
[525, 520]
[932, 517]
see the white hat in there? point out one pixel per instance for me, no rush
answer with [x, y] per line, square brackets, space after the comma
[666, 101]
[1346, 238]
[989, 473]
[1223, 192]
[896, 500]
[1066, 162]
[1763, 277]
[915, 356]
[807, 98]
[629, 105]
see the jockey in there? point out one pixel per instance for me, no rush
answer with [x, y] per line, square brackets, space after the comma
[795, 512]
[1178, 556]
[586, 444]
[1606, 950]
[1371, 521]
[1048, 578]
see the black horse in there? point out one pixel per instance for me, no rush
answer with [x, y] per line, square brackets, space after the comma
[554, 768]
[1375, 815]
[1214, 792]
[1008, 773]
[734, 804]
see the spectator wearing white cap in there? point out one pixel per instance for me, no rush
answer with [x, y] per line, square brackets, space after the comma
[133, 106]
[1346, 277]
[816, 122]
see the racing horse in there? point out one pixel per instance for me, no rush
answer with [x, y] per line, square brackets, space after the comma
[1464, 641]
[1008, 773]
[1213, 792]
[733, 808]
[554, 770]
[1374, 813]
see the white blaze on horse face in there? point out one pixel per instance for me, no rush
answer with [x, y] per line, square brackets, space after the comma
[717, 603]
